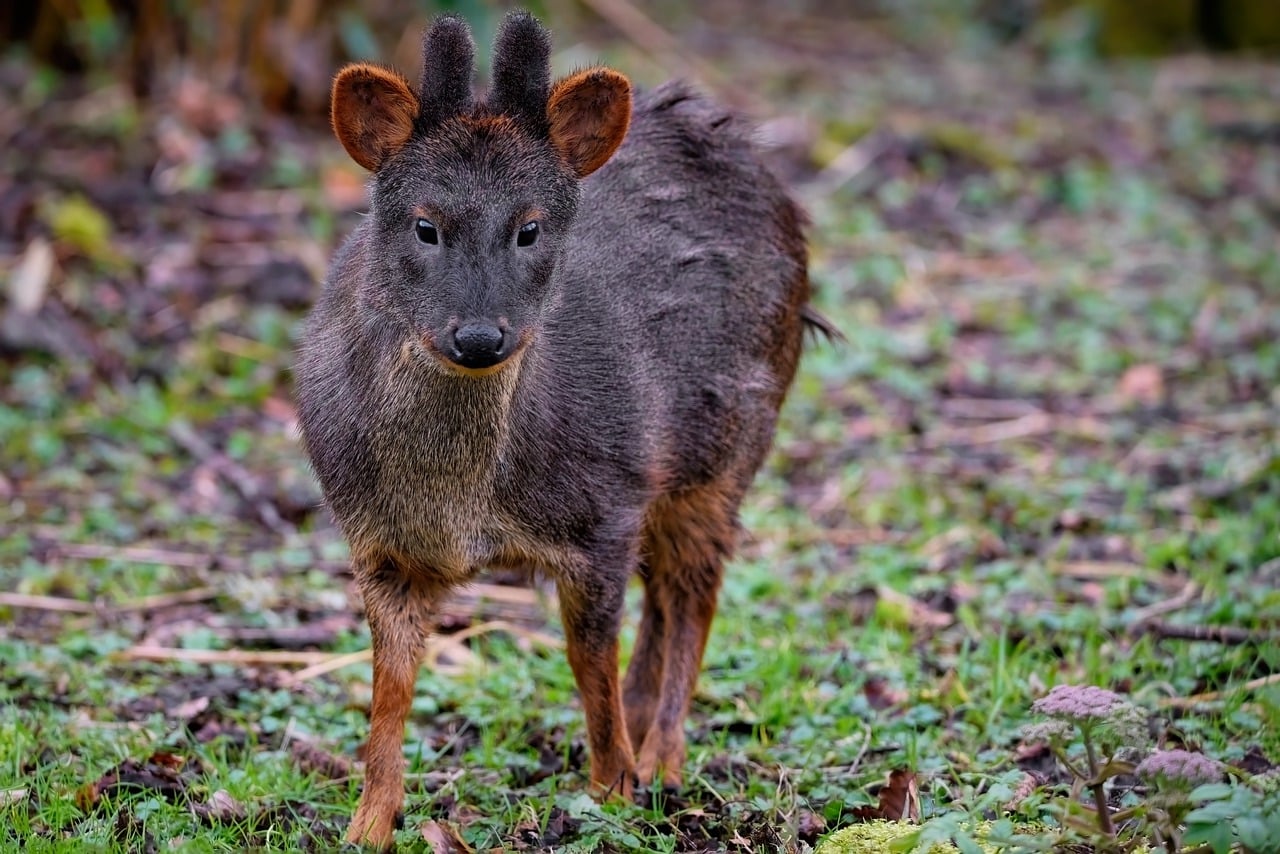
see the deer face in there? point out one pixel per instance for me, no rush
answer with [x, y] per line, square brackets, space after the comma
[472, 203]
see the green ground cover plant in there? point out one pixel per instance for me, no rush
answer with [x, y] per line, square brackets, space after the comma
[1046, 455]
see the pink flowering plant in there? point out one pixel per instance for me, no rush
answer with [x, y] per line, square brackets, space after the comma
[1172, 776]
[1184, 803]
[1090, 730]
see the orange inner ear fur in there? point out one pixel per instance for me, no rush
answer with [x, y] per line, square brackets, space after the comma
[373, 111]
[589, 113]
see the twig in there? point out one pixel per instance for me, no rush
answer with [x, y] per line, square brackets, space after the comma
[850, 163]
[986, 408]
[1213, 696]
[502, 593]
[134, 554]
[1105, 569]
[437, 645]
[47, 603]
[1231, 635]
[1028, 426]
[335, 662]
[77, 606]
[164, 600]
[443, 642]
[223, 656]
[1184, 597]
[230, 471]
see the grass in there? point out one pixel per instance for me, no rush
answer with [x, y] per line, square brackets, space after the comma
[1056, 409]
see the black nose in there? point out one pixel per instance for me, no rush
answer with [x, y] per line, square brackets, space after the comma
[478, 345]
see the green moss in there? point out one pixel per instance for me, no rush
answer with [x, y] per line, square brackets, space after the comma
[881, 836]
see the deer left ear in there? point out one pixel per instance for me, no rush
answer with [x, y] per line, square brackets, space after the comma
[373, 112]
[589, 113]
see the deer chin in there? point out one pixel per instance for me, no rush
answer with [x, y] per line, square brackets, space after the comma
[426, 351]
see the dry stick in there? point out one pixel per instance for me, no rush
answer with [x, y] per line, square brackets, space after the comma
[850, 163]
[336, 662]
[239, 479]
[135, 554]
[1230, 635]
[1212, 696]
[434, 647]
[223, 656]
[1028, 426]
[443, 642]
[1184, 597]
[47, 603]
[77, 606]
[1092, 569]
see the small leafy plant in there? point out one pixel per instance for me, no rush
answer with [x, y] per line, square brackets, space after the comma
[1107, 727]
[1248, 814]
[1096, 735]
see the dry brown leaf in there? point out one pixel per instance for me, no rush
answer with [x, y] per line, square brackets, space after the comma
[443, 839]
[30, 280]
[188, 710]
[314, 759]
[1026, 788]
[899, 800]
[880, 696]
[220, 808]
[1142, 384]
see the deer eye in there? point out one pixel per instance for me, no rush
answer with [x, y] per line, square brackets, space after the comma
[528, 234]
[426, 231]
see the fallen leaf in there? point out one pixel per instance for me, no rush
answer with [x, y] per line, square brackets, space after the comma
[1026, 788]
[165, 774]
[443, 839]
[899, 799]
[188, 710]
[313, 759]
[9, 797]
[880, 696]
[1142, 384]
[30, 280]
[220, 808]
[809, 826]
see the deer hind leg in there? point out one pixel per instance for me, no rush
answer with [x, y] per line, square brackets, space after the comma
[687, 540]
[399, 606]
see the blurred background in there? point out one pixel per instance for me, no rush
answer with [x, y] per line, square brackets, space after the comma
[1048, 229]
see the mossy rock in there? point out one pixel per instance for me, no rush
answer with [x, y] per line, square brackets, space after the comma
[878, 836]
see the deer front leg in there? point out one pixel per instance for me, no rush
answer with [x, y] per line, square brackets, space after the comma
[591, 610]
[399, 607]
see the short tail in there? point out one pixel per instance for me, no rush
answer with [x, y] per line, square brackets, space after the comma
[815, 322]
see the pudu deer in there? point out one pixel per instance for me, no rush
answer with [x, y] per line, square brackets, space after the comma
[560, 340]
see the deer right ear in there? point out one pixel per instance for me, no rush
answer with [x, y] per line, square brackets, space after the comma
[589, 113]
[373, 111]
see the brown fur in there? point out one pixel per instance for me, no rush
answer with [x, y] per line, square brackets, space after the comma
[621, 381]
[372, 110]
[687, 538]
[589, 112]
[399, 607]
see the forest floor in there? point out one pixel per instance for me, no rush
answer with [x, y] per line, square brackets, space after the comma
[1047, 453]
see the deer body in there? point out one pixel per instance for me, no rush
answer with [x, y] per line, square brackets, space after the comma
[540, 352]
